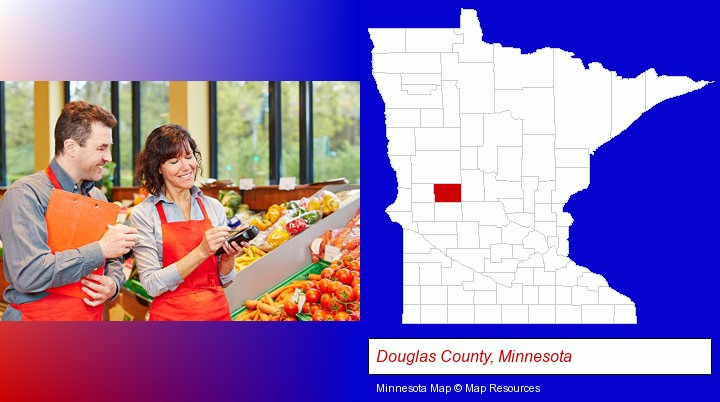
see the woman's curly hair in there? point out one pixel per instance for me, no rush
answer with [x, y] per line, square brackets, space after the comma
[163, 143]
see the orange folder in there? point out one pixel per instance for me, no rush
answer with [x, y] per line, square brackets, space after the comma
[72, 221]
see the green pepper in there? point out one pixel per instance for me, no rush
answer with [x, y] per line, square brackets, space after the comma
[297, 212]
[311, 217]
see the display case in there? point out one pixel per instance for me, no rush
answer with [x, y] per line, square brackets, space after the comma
[287, 259]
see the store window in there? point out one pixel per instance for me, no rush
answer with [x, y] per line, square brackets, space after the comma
[242, 131]
[95, 92]
[154, 106]
[152, 102]
[290, 129]
[336, 130]
[245, 144]
[18, 105]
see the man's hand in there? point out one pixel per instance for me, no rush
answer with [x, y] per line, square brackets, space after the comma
[118, 240]
[99, 291]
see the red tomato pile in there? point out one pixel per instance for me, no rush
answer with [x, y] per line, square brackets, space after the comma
[336, 295]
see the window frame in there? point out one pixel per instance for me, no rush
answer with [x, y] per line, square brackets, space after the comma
[306, 132]
[275, 131]
[3, 154]
[213, 128]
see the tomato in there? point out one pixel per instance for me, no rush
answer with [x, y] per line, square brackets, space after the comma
[355, 306]
[325, 300]
[355, 274]
[312, 296]
[329, 317]
[327, 273]
[318, 316]
[355, 281]
[336, 306]
[333, 287]
[306, 308]
[354, 265]
[315, 307]
[345, 294]
[308, 285]
[290, 319]
[291, 309]
[341, 316]
[356, 291]
[323, 285]
[344, 276]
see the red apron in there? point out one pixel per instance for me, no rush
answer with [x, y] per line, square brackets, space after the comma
[200, 297]
[58, 306]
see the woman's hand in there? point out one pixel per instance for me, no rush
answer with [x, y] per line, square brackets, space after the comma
[232, 249]
[227, 260]
[240, 229]
[214, 239]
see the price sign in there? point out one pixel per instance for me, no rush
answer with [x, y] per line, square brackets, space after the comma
[246, 184]
[287, 183]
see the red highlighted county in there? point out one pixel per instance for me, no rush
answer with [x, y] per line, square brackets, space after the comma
[448, 192]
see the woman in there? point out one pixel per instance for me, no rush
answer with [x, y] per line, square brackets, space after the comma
[180, 229]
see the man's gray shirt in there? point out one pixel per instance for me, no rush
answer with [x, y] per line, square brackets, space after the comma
[29, 265]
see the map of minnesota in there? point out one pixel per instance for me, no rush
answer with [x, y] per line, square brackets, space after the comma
[488, 145]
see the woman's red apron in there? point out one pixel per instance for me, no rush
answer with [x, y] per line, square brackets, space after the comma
[60, 307]
[200, 297]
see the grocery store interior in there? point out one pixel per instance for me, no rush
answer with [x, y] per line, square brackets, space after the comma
[283, 156]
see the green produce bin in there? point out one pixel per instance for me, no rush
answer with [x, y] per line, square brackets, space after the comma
[134, 286]
[315, 268]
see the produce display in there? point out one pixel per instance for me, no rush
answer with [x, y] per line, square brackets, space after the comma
[232, 201]
[336, 245]
[283, 221]
[251, 254]
[332, 294]
[328, 290]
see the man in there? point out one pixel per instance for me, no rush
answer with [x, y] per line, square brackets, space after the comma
[83, 136]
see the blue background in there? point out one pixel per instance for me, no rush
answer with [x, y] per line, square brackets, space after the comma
[648, 222]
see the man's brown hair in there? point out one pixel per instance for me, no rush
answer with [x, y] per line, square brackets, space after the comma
[76, 122]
